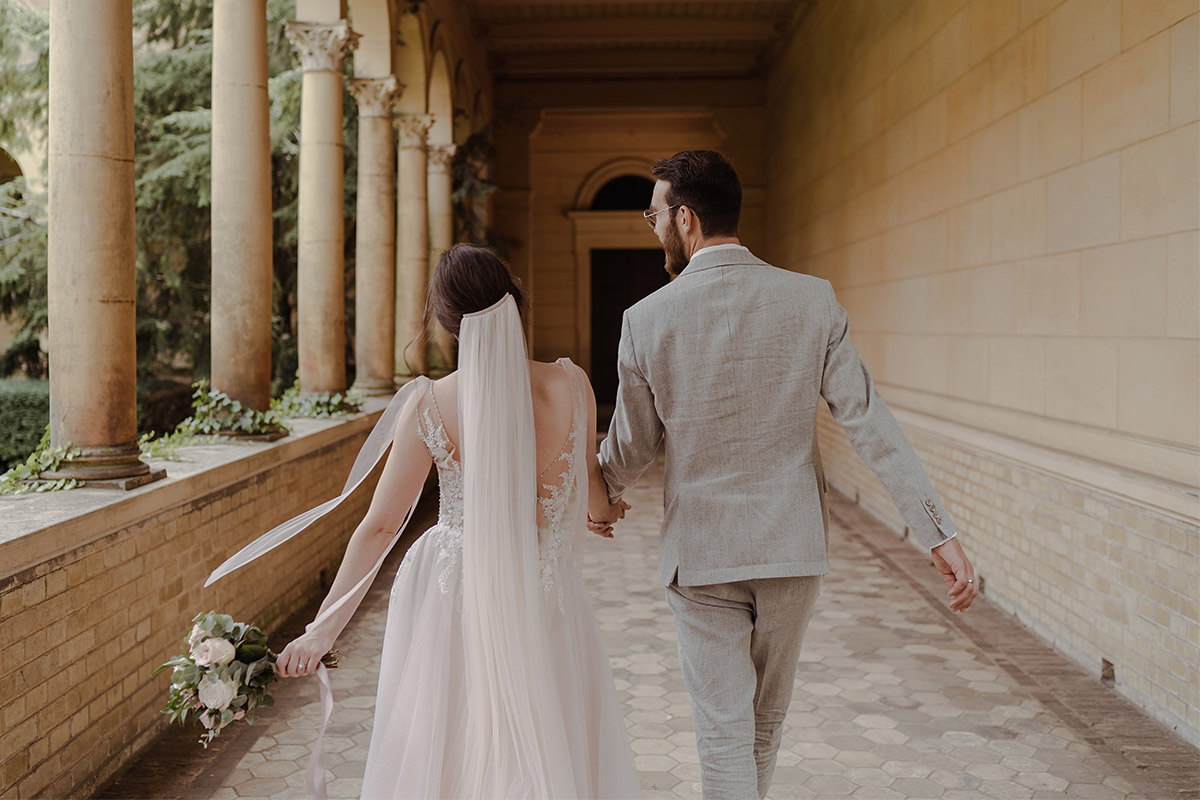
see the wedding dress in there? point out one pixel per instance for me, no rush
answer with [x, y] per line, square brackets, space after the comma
[419, 744]
[494, 682]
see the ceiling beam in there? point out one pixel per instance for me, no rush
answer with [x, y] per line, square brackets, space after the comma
[710, 92]
[627, 63]
[627, 30]
[516, 4]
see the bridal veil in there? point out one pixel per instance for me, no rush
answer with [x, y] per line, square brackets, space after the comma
[516, 734]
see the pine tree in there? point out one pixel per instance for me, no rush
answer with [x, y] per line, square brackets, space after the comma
[172, 130]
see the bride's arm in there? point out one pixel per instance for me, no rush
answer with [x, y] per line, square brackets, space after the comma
[598, 505]
[403, 476]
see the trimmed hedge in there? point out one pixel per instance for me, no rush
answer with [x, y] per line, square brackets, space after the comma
[24, 414]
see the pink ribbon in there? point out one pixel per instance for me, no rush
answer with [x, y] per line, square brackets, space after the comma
[316, 761]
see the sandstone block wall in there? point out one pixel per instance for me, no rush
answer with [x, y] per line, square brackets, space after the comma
[1006, 196]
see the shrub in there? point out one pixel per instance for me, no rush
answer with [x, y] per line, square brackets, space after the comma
[24, 414]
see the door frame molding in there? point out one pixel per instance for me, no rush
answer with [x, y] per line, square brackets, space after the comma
[601, 230]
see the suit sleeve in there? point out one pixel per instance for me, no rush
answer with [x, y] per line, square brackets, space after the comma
[635, 430]
[868, 422]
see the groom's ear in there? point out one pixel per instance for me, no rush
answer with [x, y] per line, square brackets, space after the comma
[687, 217]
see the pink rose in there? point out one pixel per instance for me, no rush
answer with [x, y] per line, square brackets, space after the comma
[196, 636]
[213, 651]
[217, 694]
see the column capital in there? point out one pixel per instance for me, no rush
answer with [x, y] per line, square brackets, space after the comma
[413, 128]
[321, 46]
[440, 156]
[375, 95]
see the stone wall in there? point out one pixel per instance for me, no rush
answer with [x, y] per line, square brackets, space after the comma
[568, 149]
[98, 588]
[1005, 196]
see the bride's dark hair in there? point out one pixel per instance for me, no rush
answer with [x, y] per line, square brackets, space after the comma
[467, 278]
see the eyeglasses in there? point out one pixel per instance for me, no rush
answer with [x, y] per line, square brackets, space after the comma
[649, 215]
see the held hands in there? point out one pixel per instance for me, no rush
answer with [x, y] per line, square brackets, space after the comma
[603, 524]
[958, 573]
[302, 656]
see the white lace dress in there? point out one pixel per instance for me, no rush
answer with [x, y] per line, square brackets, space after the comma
[418, 743]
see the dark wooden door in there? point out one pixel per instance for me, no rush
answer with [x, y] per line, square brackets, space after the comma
[619, 279]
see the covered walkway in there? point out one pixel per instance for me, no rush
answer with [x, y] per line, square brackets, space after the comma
[895, 697]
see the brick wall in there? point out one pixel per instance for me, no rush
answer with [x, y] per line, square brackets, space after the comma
[1006, 196]
[82, 629]
[1100, 576]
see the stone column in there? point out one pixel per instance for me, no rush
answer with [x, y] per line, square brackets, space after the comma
[412, 242]
[375, 241]
[91, 281]
[321, 268]
[241, 204]
[441, 238]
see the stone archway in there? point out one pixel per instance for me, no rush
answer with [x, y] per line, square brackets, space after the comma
[602, 230]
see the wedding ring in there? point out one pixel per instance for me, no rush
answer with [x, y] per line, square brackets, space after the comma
[970, 580]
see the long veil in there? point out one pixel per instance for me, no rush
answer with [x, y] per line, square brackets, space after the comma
[515, 724]
[516, 728]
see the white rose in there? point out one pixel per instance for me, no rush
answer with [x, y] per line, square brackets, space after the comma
[217, 694]
[213, 651]
[196, 636]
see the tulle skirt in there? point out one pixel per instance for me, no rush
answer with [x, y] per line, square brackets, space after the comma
[419, 743]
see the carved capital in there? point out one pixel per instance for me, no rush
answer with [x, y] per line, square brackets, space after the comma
[321, 46]
[413, 128]
[440, 156]
[375, 95]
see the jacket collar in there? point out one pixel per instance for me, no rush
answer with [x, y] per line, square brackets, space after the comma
[725, 257]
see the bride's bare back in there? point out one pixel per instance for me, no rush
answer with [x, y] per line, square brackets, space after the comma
[552, 409]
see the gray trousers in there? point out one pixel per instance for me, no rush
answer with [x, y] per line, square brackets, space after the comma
[739, 645]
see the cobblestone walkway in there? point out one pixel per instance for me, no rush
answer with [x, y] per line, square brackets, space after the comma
[895, 698]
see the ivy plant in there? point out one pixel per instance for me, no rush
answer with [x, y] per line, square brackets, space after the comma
[215, 412]
[317, 404]
[25, 477]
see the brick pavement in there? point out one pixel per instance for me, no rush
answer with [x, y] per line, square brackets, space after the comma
[895, 697]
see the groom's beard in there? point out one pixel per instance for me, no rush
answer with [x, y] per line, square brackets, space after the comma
[676, 256]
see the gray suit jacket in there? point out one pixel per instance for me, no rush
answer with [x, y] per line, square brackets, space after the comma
[725, 365]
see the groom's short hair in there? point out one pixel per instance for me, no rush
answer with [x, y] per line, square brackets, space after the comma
[705, 182]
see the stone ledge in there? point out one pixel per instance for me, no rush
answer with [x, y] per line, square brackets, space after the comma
[1176, 500]
[1138, 457]
[38, 527]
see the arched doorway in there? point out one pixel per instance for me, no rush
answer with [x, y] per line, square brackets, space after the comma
[622, 273]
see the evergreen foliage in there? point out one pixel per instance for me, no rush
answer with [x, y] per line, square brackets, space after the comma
[24, 414]
[172, 129]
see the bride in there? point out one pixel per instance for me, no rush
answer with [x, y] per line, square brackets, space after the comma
[494, 680]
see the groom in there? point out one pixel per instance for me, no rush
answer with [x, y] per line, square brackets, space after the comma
[726, 366]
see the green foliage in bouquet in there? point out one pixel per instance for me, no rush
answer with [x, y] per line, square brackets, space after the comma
[222, 675]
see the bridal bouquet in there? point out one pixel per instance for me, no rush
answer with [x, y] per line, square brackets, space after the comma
[223, 674]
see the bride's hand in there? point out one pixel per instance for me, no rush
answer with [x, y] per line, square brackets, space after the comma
[302, 656]
[604, 525]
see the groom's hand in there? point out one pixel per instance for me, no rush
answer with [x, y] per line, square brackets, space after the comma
[958, 573]
[602, 525]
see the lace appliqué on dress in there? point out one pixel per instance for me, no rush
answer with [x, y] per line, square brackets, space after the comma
[554, 544]
[551, 539]
[448, 531]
